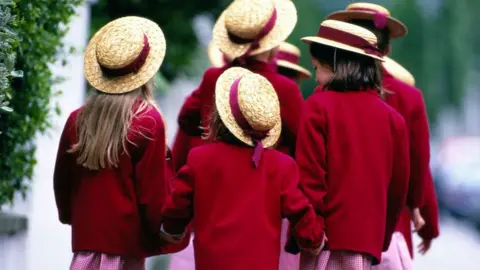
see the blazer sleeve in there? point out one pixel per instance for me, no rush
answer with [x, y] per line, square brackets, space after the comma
[429, 212]
[178, 211]
[297, 209]
[63, 172]
[151, 185]
[311, 156]
[189, 117]
[180, 149]
[419, 153]
[291, 106]
[398, 186]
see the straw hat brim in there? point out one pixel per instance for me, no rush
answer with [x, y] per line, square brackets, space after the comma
[398, 71]
[338, 45]
[396, 27]
[285, 23]
[302, 72]
[222, 102]
[129, 82]
[215, 56]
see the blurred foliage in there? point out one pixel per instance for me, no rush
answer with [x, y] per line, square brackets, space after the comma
[310, 17]
[174, 17]
[40, 31]
[8, 42]
[440, 50]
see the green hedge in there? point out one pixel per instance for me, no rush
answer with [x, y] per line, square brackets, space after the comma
[40, 26]
[8, 43]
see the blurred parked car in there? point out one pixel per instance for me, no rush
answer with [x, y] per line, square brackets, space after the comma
[456, 170]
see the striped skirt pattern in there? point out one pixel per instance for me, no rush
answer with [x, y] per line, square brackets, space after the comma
[335, 260]
[100, 261]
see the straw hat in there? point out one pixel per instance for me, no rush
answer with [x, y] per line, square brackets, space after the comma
[124, 55]
[288, 56]
[257, 101]
[216, 57]
[372, 12]
[346, 36]
[398, 71]
[256, 26]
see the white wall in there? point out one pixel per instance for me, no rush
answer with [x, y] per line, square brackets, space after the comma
[46, 245]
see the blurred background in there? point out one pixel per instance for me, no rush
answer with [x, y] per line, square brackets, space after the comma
[41, 82]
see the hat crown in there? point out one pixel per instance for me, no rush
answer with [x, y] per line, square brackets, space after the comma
[258, 102]
[119, 46]
[289, 48]
[247, 18]
[368, 6]
[352, 29]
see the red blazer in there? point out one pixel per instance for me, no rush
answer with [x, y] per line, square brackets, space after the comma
[352, 151]
[237, 209]
[197, 108]
[408, 101]
[116, 211]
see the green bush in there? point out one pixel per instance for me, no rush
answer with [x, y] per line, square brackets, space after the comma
[40, 26]
[8, 43]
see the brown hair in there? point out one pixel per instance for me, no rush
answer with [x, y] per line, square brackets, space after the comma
[104, 123]
[383, 35]
[217, 131]
[288, 72]
[352, 71]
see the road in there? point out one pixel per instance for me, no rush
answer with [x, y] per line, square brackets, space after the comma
[457, 248]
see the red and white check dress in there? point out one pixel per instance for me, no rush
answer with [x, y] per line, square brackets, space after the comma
[101, 261]
[335, 260]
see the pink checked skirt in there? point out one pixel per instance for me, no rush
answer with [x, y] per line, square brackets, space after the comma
[397, 257]
[183, 260]
[335, 260]
[101, 261]
[287, 261]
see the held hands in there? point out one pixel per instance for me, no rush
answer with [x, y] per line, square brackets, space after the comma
[418, 221]
[316, 252]
[171, 238]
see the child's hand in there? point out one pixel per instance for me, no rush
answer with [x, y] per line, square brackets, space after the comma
[316, 251]
[174, 239]
[418, 221]
[424, 246]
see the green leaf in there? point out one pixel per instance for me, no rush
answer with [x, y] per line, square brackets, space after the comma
[16, 74]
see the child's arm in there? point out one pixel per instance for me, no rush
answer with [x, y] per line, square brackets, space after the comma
[152, 188]
[291, 105]
[62, 175]
[419, 139]
[180, 149]
[296, 208]
[398, 187]
[429, 212]
[311, 156]
[178, 210]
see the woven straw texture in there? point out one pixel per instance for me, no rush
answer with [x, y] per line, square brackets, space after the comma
[215, 56]
[348, 28]
[398, 71]
[258, 102]
[117, 45]
[246, 19]
[289, 48]
[396, 27]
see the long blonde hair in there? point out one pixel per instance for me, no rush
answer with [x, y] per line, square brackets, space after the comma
[103, 125]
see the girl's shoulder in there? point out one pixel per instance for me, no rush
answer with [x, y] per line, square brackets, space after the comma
[149, 119]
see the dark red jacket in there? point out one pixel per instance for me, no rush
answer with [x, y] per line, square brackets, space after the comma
[237, 209]
[352, 151]
[408, 101]
[116, 211]
[197, 108]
